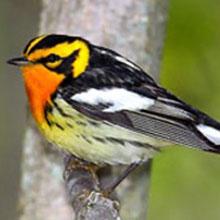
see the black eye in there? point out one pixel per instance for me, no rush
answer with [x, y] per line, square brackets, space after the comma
[52, 58]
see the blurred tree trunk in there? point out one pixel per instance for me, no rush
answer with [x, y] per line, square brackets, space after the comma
[133, 28]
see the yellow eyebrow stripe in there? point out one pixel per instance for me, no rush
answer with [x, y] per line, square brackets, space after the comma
[63, 50]
[33, 43]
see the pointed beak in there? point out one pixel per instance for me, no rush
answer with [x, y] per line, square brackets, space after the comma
[20, 61]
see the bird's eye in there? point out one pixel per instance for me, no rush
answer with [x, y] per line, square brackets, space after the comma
[52, 58]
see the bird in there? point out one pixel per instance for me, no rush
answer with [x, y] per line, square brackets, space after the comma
[101, 107]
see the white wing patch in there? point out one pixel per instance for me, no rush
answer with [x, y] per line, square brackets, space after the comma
[211, 133]
[118, 98]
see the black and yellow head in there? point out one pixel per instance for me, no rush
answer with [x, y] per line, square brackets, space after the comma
[61, 54]
[47, 61]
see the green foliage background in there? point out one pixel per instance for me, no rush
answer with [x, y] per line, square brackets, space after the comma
[186, 183]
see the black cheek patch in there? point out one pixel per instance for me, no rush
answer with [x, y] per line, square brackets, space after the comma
[66, 67]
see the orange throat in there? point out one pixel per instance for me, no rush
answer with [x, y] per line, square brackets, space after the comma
[40, 84]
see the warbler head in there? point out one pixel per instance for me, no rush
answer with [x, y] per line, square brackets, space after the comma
[47, 60]
[60, 54]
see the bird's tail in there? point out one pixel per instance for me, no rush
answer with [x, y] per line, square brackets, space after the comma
[210, 130]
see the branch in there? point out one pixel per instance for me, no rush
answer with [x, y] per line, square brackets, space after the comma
[83, 186]
[133, 28]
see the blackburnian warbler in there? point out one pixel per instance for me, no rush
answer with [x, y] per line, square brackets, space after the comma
[103, 108]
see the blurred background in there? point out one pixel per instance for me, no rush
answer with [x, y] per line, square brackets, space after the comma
[185, 183]
[18, 23]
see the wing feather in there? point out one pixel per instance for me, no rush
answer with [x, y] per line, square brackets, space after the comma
[168, 129]
[156, 125]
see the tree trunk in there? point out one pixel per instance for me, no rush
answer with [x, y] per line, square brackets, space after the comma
[134, 29]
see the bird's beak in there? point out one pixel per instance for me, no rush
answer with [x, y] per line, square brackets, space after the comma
[20, 61]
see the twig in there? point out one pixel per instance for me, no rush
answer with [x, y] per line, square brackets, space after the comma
[83, 186]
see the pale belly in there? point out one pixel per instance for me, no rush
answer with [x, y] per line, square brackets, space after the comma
[96, 141]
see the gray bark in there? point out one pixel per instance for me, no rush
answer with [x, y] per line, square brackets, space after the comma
[136, 30]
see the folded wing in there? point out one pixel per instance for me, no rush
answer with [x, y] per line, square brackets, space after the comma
[164, 117]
